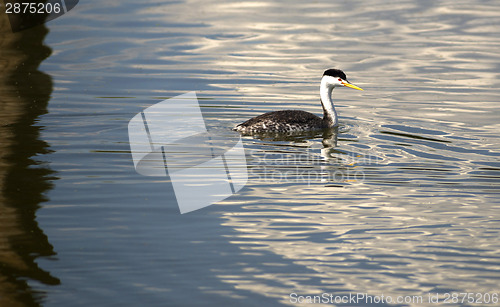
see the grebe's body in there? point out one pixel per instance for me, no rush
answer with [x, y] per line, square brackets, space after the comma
[292, 121]
[286, 121]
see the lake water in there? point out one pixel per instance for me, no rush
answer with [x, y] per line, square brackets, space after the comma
[404, 202]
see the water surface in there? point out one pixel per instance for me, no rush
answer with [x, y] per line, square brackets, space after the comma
[402, 201]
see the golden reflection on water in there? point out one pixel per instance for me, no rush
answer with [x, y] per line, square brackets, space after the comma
[386, 243]
[404, 229]
[422, 56]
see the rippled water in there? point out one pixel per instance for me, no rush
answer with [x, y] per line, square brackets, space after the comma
[402, 201]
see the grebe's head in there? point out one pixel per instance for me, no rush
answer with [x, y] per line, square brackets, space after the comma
[336, 77]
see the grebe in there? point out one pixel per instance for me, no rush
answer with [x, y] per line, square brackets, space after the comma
[290, 121]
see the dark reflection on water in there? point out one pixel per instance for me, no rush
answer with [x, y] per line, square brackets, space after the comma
[24, 93]
[329, 136]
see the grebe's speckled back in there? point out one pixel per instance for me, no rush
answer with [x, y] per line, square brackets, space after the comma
[290, 121]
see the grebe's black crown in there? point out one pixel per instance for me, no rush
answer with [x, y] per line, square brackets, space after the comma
[336, 73]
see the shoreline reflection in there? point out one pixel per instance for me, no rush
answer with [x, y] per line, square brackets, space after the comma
[24, 95]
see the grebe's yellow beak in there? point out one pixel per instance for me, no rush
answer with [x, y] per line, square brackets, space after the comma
[345, 83]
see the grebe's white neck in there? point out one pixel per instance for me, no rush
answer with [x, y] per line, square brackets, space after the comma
[329, 113]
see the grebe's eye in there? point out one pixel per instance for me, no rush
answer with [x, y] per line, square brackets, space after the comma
[340, 79]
